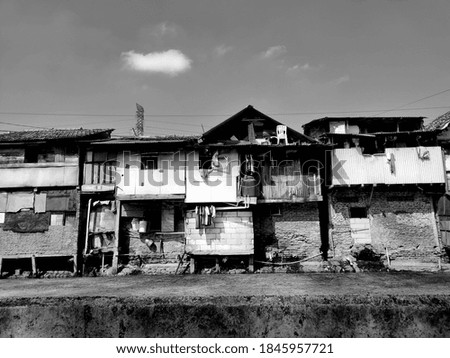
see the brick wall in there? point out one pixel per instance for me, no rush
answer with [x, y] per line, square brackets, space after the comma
[231, 232]
[406, 227]
[57, 241]
[290, 230]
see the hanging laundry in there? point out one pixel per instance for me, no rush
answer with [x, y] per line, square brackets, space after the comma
[198, 220]
[213, 211]
[207, 216]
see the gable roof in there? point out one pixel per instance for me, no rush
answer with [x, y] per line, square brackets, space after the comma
[54, 135]
[237, 127]
[440, 123]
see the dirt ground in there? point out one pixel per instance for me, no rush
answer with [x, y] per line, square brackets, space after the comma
[384, 304]
[305, 284]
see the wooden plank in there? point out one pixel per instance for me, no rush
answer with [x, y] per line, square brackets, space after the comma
[33, 265]
[251, 267]
[75, 264]
[115, 262]
[150, 197]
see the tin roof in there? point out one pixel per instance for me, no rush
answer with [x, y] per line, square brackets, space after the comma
[54, 134]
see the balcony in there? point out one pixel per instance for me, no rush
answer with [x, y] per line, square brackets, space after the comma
[38, 175]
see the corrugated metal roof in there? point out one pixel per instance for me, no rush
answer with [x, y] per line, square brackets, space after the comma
[440, 123]
[52, 134]
[350, 167]
[149, 140]
[356, 119]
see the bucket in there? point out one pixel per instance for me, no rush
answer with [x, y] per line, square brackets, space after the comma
[143, 226]
[135, 224]
[249, 186]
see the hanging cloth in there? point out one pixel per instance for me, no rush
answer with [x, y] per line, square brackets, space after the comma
[198, 220]
[213, 211]
[207, 216]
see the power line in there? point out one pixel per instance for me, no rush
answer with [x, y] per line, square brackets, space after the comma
[417, 100]
[164, 115]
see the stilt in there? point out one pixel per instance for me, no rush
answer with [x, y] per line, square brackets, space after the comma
[33, 265]
[103, 261]
[75, 264]
[192, 265]
[251, 267]
[217, 265]
[1, 261]
[115, 260]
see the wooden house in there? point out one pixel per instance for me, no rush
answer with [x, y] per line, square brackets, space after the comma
[385, 174]
[39, 194]
[133, 195]
[260, 183]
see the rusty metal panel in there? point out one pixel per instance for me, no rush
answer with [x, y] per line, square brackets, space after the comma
[416, 165]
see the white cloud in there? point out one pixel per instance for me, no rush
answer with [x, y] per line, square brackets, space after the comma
[340, 80]
[171, 62]
[165, 29]
[301, 68]
[221, 50]
[274, 52]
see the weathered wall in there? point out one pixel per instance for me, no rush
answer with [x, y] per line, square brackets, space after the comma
[231, 232]
[257, 317]
[57, 241]
[161, 243]
[407, 228]
[293, 230]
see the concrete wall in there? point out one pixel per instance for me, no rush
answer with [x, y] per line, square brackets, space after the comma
[289, 230]
[231, 232]
[406, 227]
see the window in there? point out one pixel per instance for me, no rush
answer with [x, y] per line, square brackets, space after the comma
[360, 225]
[62, 219]
[100, 168]
[358, 212]
[57, 220]
[149, 162]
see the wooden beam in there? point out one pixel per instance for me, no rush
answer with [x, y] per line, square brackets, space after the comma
[192, 265]
[75, 264]
[217, 265]
[1, 262]
[251, 267]
[115, 262]
[33, 265]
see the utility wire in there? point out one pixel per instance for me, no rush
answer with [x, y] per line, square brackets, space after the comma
[131, 116]
[418, 100]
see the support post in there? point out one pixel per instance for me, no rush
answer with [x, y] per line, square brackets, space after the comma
[192, 265]
[251, 267]
[217, 265]
[115, 262]
[75, 264]
[33, 265]
[1, 262]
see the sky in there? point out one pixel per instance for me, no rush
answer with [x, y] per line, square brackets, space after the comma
[193, 63]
